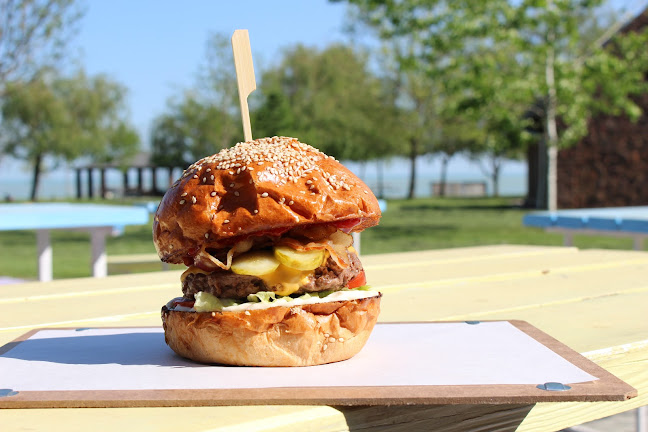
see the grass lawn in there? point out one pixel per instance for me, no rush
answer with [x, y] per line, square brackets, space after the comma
[427, 223]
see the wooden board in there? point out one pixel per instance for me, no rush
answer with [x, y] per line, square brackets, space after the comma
[606, 388]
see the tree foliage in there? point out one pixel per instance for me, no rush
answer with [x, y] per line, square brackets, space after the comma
[202, 120]
[330, 100]
[190, 130]
[33, 34]
[53, 118]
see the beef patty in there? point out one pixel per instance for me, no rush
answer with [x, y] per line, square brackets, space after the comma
[226, 284]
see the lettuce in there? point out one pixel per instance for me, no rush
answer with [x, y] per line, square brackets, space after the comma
[263, 297]
[206, 302]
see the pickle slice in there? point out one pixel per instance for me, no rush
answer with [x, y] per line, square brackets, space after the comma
[255, 263]
[300, 260]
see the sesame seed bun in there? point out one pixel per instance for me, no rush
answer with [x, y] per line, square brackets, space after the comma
[304, 335]
[257, 186]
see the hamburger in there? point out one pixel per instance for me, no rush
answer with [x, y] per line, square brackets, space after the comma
[264, 228]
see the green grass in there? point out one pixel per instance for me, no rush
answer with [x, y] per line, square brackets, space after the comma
[407, 225]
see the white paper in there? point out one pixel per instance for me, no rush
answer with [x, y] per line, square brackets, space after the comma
[395, 355]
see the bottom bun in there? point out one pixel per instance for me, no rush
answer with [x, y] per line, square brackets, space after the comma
[303, 335]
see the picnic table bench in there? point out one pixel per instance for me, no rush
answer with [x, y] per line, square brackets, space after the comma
[611, 221]
[99, 220]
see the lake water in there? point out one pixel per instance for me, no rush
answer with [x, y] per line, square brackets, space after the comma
[61, 184]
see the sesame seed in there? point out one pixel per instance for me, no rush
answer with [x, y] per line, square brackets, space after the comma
[341, 340]
[206, 235]
[182, 201]
[184, 194]
[195, 176]
[226, 221]
[251, 181]
[282, 158]
[256, 211]
[264, 194]
[213, 194]
[211, 177]
[193, 199]
[309, 181]
[331, 339]
[247, 313]
[291, 202]
[213, 314]
[204, 179]
[326, 335]
[325, 347]
[236, 193]
[231, 184]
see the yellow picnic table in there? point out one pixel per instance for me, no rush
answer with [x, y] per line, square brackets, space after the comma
[594, 301]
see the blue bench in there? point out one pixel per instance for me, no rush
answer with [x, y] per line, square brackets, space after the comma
[613, 221]
[99, 220]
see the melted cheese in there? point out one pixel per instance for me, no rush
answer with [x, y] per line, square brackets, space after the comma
[288, 279]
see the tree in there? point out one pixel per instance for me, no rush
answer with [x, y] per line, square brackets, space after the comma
[217, 87]
[33, 34]
[329, 99]
[203, 119]
[547, 64]
[189, 131]
[274, 117]
[62, 119]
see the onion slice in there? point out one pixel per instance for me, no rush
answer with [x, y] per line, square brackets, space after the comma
[208, 262]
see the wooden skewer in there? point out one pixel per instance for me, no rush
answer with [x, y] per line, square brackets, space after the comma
[244, 76]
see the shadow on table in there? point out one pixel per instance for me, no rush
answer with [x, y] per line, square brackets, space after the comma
[132, 349]
[507, 417]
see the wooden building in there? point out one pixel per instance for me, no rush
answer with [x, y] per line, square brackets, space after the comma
[609, 167]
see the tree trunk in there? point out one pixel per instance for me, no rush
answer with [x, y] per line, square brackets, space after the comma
[79, 192]
[36, 176]
[102, 182]
[552, 130]
[381, 179]
[495, 173]
[444, 175]
[413, 156]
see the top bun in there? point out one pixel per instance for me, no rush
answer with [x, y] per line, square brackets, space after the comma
[257, 186]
